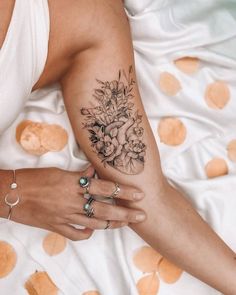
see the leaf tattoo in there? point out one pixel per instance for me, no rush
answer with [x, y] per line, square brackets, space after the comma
[114, 126]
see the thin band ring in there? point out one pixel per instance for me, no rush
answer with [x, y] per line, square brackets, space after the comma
[116, 191]
[108, 224]
[90, 212]
[11, 205]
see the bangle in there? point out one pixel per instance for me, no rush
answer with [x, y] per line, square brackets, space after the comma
[13, 186]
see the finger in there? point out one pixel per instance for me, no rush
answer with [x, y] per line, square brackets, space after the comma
[99, 187]
[88, 172]
[83, 220]
[107, 211]
[115, 224]
[93, 223]
[72, 233]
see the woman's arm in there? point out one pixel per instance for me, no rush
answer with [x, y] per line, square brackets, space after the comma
[110, 124]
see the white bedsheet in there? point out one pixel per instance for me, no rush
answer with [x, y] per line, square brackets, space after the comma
[163, 31]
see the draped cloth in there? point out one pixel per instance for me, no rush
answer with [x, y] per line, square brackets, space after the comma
[185, 61]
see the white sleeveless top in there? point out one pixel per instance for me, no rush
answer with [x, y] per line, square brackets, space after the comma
[22, 57]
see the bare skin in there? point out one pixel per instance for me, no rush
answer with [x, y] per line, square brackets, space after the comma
[42, 207]
[79, 40]
[50, 198]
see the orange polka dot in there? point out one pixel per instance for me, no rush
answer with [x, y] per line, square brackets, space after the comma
[91, 293]
[148, 285]
[169, 272]
[172, 131]
[188, 65]
[20, 128]
[8, 259]
[54, 244]
[54, 138]
[169, 84]
[40, 138]
[30, 139]
[40, 284]
[217, 95]
[232, 150]
[146, 259]
[216, 167]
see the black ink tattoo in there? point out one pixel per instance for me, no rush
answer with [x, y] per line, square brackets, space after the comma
[114, 125]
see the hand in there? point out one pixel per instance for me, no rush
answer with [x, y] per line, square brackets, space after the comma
[52, 199]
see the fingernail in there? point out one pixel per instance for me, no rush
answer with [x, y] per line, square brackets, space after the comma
[140, 217]
[138, 196]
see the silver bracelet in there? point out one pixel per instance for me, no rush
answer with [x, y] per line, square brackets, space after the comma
[13, 186]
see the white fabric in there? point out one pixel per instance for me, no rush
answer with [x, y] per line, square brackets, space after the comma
[162, 31]
[22, 57]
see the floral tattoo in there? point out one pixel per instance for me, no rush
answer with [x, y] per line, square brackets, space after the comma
[114, 126]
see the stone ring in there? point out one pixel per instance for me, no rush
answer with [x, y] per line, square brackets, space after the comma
[88, 209]
[84, 182]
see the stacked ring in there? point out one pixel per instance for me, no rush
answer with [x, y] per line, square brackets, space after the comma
[84, 182]
[88, 209]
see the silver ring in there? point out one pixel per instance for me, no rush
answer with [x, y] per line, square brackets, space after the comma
[88, 209]
[90, 212]
[11, 205]
[84, 182]
[108, 224]
[116, 191]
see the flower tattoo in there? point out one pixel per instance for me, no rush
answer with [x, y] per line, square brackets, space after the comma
[114, 126]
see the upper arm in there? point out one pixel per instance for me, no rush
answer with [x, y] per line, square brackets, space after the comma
[104, 105]
[79, 24]
[75, 26]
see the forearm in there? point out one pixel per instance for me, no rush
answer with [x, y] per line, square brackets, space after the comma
[176, 230]
[40, 200]
[173, 228]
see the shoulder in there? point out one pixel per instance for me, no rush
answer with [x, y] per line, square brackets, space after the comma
[6, 10]
[81, 22]
[77, 25]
